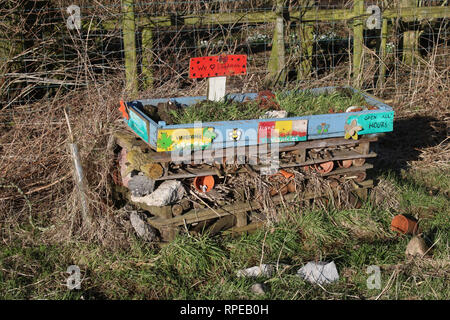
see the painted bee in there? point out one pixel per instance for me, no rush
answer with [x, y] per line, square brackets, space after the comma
[235, 134]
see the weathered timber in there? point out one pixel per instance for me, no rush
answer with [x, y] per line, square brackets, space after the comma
[147, 57]
[177, 210]
[222, 224]
[358, 42]
[383, 53]
[129, 44]
[277, 61]
[363, 148]
[210, 155]
[307, 47]
[310, 15]
[343, 171]
[248, 228]
[241, 219]
[410, 36]
[340, 155]
[194, 216]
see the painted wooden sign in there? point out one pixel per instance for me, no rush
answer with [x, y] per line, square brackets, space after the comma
[191, 138]
[372, 122]
[138, 124]
[282, 131]
[216, 66]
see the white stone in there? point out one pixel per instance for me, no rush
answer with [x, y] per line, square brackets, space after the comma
[258, 288]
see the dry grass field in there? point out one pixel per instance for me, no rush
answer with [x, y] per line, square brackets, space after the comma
[42, 234]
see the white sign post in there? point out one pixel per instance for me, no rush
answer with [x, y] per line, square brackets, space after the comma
[216, 88]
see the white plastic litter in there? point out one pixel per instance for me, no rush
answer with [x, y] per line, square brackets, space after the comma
[264, 270]
[167, 193]
[319, 272]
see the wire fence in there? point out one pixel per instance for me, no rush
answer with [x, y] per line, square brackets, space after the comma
[49, 47]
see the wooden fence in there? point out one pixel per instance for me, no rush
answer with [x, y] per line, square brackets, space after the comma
[407, 10]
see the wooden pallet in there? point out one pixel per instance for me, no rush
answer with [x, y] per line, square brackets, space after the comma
[361, 150]
[234, 218]
[169, 225]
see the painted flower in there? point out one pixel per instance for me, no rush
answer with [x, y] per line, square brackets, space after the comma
[351, 130]
[164, 142]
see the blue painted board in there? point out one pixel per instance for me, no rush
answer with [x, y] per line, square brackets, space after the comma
[253, 132]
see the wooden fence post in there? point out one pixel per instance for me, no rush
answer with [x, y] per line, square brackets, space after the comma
[410, 37]
[147, 57]
[307, 47]
[383, 56]
[277, 61]
[358, 41]
[129, 46]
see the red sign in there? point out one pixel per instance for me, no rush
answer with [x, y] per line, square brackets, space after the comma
[217, 66]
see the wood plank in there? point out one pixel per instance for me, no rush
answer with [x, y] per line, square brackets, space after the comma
[241, 219]
[339, 171]
[221, 224]
[339, 155]
[196, 215]
[234, 18]
[209, 155]
[343, 156]
[216, 88]
[248, 228]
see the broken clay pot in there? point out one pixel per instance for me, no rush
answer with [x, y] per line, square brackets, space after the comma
[324, 167]
[345, 163]
[404, 225]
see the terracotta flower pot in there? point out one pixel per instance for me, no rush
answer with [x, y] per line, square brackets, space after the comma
[204, 183]
[404, 225]
[286, 174]
[345, 163]
[324, 167]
